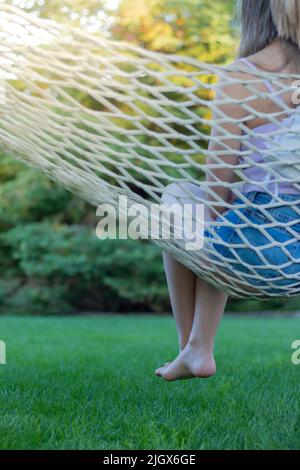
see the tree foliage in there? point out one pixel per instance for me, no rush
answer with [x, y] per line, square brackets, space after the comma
[196, 28]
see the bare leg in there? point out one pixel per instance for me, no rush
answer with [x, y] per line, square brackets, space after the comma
[182, 287]
[197, 359]
[181, 280]
[197, 308]
[210, 303]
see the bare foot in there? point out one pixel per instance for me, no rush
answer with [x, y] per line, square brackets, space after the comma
[169, 362]
[190, 363]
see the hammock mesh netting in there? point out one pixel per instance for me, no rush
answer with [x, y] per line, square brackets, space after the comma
[107, 119]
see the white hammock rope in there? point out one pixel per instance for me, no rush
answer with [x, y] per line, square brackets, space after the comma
[145, 128]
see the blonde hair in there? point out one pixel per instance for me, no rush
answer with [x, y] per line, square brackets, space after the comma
[286, 16]
[262, 21]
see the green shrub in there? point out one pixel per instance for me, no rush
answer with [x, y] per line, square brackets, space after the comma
[107, 275]
[28, 196]
[31, 299]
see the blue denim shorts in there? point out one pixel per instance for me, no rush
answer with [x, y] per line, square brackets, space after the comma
[277, 270]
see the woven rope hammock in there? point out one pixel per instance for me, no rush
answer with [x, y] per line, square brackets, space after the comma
[106, 119]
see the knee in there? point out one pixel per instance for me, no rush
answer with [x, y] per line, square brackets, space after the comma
[171, 193]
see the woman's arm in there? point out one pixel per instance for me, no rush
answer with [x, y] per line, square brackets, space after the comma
[225, 142]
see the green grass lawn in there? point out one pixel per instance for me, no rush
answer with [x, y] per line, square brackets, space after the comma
[88, 383]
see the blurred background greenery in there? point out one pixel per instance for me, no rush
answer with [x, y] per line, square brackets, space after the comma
[51, 260]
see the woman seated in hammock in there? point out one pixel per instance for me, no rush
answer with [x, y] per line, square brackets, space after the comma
[270, 43]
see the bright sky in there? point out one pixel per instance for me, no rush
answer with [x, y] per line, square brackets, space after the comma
[112, 4]
[19, 34]
[16, 33]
